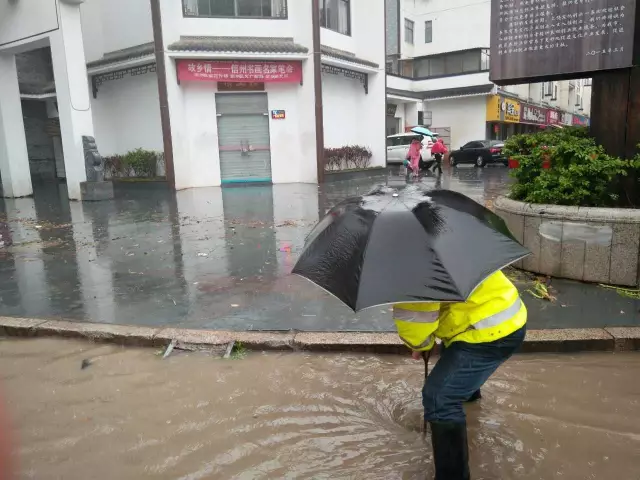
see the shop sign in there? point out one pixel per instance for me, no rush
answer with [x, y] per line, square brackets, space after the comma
[278, 114]
[391, 109]
[510, 110]
[581, 120]
[531, 114]
[239, 71]
[553, 117]
[241, 86]
[502, 109]
[567, 118]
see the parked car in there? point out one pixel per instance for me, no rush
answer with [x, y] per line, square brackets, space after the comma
[479, 153]
[398, 147]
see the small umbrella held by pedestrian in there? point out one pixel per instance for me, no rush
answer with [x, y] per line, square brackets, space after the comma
[393, 246]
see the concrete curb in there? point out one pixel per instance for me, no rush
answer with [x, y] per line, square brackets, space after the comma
[613, 339]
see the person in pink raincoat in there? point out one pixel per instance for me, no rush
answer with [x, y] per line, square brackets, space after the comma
[413, 155]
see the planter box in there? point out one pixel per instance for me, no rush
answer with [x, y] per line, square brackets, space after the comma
[581, 243]
[341, 175]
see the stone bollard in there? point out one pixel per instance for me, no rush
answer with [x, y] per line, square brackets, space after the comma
[95, 188]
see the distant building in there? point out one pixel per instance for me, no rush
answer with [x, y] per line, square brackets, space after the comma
[438, 75]
[239, 78]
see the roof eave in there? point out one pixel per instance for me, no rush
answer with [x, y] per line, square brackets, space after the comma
[118, 65]
[357, 67]
[178, 54]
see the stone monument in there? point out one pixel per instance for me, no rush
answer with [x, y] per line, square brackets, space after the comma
[95, 188]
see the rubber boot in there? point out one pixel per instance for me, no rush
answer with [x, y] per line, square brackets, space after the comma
[450, 450]
[477, 395]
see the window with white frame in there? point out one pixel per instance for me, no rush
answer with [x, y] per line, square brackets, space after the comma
[235, 8]
[336, 15]
[428, 31]
[409, 27]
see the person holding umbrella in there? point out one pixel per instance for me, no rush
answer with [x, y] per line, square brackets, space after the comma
[478, 336]
[445, 282]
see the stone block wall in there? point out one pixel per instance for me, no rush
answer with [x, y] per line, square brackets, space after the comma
[600, 245]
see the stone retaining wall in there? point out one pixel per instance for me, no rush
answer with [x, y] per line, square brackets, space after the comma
[599, 245]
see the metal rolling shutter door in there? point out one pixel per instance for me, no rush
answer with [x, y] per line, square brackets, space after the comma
[243, 136]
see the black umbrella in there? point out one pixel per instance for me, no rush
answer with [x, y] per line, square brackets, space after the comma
[406, 246]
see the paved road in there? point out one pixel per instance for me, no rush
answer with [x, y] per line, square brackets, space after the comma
[215, 258]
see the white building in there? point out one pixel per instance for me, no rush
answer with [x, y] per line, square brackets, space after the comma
[225, 88]
[438, 75]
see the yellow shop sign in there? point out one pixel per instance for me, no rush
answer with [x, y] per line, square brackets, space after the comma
[500, 109]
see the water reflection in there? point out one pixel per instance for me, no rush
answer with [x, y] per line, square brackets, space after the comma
[211, 257]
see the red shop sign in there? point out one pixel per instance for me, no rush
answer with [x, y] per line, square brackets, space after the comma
[553, 117]
[239, 71]
[531, 114]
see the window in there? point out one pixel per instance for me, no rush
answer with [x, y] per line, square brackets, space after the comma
[548, 89]
[408, 30]
[454, 63]
[428, 31]
[473, 145]
[336, 15]
[235, 8]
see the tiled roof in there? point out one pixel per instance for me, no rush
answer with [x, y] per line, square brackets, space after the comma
[237, 45]
[122, 55]
[347, 56]
[458, 92]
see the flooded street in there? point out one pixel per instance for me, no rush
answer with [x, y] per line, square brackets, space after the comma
[132, 415]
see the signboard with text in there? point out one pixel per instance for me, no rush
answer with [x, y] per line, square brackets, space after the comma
[239, 71]
[532, 114]
[501, 109]
[278, 114]
[240, 86]
[553, 117]
[559, 38]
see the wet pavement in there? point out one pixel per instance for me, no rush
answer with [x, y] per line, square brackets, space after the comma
[218, 258]
[131, 415]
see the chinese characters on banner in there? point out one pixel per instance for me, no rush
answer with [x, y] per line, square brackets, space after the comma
[553, 117]
[533, 38]
[239, 71]
[531, 114]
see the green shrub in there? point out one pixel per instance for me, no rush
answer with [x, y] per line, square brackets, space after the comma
[580, 173]
[142, 162]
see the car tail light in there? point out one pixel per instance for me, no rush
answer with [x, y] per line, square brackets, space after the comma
[495, 150]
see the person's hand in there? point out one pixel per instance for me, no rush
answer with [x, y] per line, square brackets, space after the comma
[416, 355]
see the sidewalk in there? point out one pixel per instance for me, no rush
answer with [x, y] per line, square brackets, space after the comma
[220, 259]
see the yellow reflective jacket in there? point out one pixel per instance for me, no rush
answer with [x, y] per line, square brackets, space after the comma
[493, 311]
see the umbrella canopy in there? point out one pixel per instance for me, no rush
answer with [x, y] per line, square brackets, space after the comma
[406, 246]
[424, 131]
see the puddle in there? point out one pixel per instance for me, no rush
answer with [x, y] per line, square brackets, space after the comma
[131, 415]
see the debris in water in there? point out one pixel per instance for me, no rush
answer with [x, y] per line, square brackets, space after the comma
[542, 291]
[624, 292]
[170, 348]
[85, 363]
[230, 345]
[201, 254]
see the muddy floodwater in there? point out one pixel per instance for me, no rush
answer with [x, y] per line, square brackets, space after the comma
[131, 415]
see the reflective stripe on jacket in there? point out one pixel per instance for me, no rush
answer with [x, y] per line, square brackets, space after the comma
[493, 311]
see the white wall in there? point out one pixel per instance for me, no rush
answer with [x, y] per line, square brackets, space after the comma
[457, 25]
[126, 115]
[456, 81]
[109, 25]
[465, 116]
[351, 117]
[26, 18]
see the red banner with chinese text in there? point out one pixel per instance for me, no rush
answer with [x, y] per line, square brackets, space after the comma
[239, 71]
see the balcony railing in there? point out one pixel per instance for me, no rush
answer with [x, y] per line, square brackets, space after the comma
[275, 9]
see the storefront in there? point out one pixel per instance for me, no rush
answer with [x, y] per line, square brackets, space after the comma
[566, 119]
[580, 121]
[503, 115]
[244, 112]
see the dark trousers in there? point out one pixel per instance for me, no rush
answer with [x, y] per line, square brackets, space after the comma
[461, 370]
[437, 166]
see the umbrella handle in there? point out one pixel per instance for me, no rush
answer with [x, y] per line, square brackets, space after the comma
[425, 357]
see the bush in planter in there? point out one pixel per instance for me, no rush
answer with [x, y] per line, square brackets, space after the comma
[138, 163]
[348, 157]
[580, 173]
